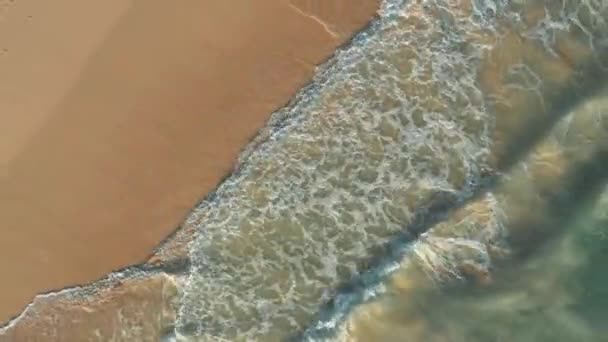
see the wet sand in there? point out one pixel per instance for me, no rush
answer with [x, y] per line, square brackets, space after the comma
[123, 115]
[141, 309]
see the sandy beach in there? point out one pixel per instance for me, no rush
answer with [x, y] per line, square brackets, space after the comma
[118, 116]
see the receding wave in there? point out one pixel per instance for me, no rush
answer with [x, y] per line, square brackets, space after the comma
[414, 161]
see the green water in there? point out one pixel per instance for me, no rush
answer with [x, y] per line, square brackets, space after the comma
[535, 247]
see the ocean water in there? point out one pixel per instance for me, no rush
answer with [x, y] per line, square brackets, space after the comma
[510, 265]
[441, 179]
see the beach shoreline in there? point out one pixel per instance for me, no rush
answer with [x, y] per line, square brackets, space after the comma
[121, 177]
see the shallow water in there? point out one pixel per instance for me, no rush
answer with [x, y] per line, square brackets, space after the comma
[421, 171]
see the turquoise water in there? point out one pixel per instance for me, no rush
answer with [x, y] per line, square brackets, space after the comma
[440, 180]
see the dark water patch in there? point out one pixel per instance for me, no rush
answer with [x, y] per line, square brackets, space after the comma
[586, 83]
[582, 185]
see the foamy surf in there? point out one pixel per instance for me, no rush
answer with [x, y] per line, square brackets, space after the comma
[354, 157]
[399, 128]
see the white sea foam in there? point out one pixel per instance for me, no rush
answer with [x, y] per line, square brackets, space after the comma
[393, 120]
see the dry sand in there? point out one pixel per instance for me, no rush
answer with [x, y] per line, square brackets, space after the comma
[118, 116]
